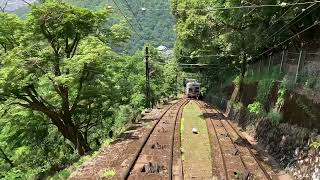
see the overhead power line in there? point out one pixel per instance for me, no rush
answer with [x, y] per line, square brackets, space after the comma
[241, 7]
[134, 14]
[297, 34]
[294, 19]
[280, 17]
[233, 7]
[128, 21]
[209, 55]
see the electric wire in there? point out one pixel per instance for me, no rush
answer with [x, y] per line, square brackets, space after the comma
[241, 7]
[128, 21]
[209, 55]
[234, 7]
[279, 18]
[283, 28]
[306, 29]
[134, 14]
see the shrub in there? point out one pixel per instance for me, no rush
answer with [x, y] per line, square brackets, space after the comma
[236, 105]
[274, 116]
[315, 144]
[237, 81]
[109, 173]
[281, 95]
[264, 88]
[256, 108]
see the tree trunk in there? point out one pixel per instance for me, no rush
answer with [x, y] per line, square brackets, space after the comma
[6, 158]
[69, 131]
[73, 134]
[243, 67]
[243, 72]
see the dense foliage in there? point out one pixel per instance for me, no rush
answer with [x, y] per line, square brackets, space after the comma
[63, 90]
[240, 35]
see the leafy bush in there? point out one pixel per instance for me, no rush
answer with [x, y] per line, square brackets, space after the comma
[256, 108]
[109, 173]
[236, 105]
[264, 88]
[315, 144]
[274, 116]
[237, 81]
[288, 83]
[312, 82]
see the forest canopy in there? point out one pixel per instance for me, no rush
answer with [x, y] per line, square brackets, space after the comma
[64, 90]
[155, 24]
[212, 31]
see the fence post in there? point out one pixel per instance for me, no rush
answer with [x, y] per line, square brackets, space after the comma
[298, 66]
[252, 70]
[282, 59]
[260, 66]
[270, 58]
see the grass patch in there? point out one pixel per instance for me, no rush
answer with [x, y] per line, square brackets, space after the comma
[109, 173]
[196, 148]
[182, 126]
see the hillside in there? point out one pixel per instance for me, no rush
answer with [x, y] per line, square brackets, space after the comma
[12, 5]
[158, 24]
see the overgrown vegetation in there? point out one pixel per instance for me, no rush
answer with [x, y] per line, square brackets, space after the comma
[229, 39]
[64, 91]
[109, 173]
[256, 108]
[315, 144]
[266, 81]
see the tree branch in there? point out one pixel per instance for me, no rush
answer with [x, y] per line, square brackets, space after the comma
[6, 158]
[77, 99]
[4, 6]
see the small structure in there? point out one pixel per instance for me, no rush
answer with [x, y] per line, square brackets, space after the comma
[165, 51]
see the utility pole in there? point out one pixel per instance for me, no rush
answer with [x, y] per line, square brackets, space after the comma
[147, 78]
[176, 84]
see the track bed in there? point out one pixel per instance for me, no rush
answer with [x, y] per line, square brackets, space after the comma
[233, 156]
[154, 160]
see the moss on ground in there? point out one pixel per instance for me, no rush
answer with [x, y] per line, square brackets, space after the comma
[197, 151]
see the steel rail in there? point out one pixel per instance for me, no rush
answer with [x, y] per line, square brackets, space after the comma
[126, 173]
[243, 139]
[172, 140]
[218, 140]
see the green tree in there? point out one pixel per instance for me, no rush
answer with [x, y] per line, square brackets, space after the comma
[46, 80]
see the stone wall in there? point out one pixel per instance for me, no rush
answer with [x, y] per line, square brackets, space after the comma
[289, 143]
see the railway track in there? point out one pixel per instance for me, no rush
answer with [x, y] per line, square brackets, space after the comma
[155, 157]
[235, 159]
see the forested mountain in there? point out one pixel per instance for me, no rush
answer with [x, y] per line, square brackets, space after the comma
[12, 5]
[155, 24]
[63, 90]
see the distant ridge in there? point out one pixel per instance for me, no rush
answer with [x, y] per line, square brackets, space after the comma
[13, 5]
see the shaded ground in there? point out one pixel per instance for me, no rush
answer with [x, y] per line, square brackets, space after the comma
[197, 163]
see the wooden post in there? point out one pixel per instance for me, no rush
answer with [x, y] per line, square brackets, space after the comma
[282, 60]
[260, 66]
[147, 78]
[251, 71]
[270, 58]
[298, 66]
